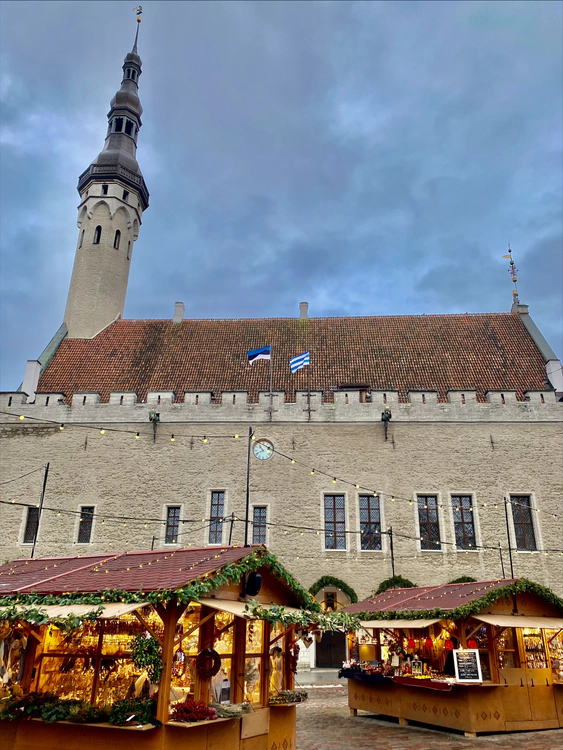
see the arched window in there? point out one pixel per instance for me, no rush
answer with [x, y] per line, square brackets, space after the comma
[97, 235]
[116, 239]
[81, 238]
[129, 250]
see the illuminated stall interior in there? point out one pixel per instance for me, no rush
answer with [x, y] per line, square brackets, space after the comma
[193, 603]
[508, 633]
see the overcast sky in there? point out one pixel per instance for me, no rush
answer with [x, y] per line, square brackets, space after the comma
[370, 158]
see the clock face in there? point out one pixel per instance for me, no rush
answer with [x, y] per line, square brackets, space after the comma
[263, 449]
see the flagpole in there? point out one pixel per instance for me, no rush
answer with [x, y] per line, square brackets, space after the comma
[271, 381]
[309, 390]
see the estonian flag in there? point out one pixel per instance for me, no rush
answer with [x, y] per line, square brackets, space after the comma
[300, 361]
[263, 353]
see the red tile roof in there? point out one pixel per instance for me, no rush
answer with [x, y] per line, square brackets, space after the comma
[447, 597]
[419, 352]
[127, 571]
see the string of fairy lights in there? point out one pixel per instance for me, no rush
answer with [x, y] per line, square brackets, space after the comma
[287, 528]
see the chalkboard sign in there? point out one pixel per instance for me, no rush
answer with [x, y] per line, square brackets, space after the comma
[417, 667]
[467, 665]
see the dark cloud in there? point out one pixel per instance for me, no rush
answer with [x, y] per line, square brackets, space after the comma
[371, 158]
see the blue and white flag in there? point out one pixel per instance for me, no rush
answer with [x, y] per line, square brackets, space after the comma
[262, 353]
[300, 361]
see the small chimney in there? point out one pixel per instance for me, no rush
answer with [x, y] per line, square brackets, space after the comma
[303, 310]
[179, 310]
[30, 379]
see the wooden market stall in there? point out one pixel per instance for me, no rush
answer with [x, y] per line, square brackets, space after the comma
[168, 632]
[476, 657]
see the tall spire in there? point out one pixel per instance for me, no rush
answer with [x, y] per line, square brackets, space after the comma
[124, 122]
[113, 197]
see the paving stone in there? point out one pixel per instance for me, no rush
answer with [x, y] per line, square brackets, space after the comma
[324, 722]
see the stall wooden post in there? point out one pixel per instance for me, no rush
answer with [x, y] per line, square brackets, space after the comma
[265, 687]
[97, 660]
[206, 632]
[239, 660]
[170, 614]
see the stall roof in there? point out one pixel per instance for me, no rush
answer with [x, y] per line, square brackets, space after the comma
[398, 623]
[127, 571]
[111, 610]
[238, 608]
[446, 597]
[522, 621]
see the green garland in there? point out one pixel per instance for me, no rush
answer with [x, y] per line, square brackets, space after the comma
[395, 582]
[521, 586]
[464, 579]
[28, 606]
[337, 620]
[332, 581]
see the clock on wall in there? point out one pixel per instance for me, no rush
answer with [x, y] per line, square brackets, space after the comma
[263, 449]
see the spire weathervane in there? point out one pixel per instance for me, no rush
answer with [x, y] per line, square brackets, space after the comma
[513, 271]
[138, 9]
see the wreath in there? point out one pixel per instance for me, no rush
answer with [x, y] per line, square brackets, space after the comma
[202, 660]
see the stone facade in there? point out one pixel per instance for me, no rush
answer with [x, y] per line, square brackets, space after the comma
[486, 451]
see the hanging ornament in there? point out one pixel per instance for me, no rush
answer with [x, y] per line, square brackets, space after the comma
[449, 645]
[472, 643]
[428, 643]
[411, 645]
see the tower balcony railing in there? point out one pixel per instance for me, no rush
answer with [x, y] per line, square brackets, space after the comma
[115, 170]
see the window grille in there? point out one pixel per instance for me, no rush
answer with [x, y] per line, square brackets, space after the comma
[464, 524]
[217, 514]
[172, 524]
[523, 522]
[86, 522]
[31, 525]
[259, 524]
[370, 522]
[335, 522]
[428, 522]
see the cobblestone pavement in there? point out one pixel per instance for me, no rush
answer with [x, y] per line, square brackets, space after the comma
[323, 722]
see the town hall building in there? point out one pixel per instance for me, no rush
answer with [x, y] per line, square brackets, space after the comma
[426, 446]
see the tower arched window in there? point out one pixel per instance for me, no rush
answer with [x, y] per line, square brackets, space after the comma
[97, 235]
[81, 238]
[129, 250]
[116, 239]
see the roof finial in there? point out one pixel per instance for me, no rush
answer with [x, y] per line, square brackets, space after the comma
[513, 271]
[138, 9]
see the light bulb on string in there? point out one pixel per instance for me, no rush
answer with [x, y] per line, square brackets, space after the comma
[61, 426]
[205, 439]
[137, 436]
[102, 431]
[334, 480]
[22, 417]
[172, 439]
[312, 472]
[236, 437]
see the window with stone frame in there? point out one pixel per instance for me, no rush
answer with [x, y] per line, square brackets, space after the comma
[31, 525]
[85, 524]
[172, 524]
[335, 522]
[428, 522]
[259, 515]
[216, 517]
[464, 523]
[523, 523]
[370, 522]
